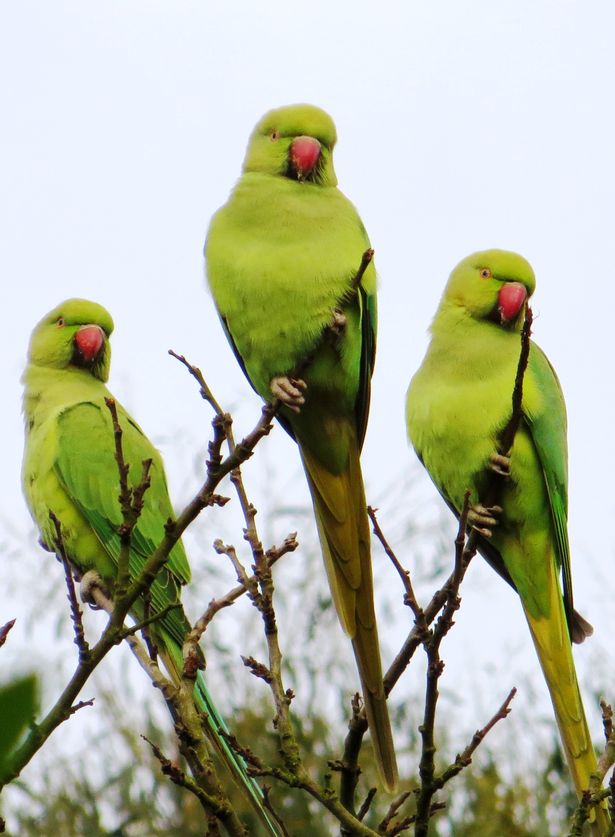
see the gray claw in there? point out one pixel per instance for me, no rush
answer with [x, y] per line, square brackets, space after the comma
[500, 464]
[486, 533]
[338, 323]
[484, 518]
[289, 391]
[90, 581]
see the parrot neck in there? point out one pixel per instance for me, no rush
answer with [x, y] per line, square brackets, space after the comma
[453, 322]
[46, 388]
[479, 345]
[263, 199]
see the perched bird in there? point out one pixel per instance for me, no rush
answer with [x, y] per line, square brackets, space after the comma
[282, 258]
[458, 403]
[69, 468]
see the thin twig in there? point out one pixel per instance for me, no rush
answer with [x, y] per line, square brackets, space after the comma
[231, 553]
[366, 260]
[404, 824]
[128, 634]
[130, 500]
[607, 719]
[367, 803]
[196, 373]
[507, 437]
[606, 761]
[357, 726]
[75, 611]
[209, 802]
[410, 598]
[144, 623]
[349, 765]
[419, 635]
[435, 666]
[263, 601]
[215, 605]
[464, 758]
[81, 705]
[393, 811]
[125, 500]
[4, 631]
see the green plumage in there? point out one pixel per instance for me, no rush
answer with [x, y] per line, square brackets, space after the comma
[458, 402]
[281, 256]
[69, 468]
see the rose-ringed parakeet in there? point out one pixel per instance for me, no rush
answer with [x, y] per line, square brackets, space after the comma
[281, 257]
[69, 468]
[458, 402]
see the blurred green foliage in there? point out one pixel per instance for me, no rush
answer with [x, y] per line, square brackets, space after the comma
[129, 797]
[18, 706]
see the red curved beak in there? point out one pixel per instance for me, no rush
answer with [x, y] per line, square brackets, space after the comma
[511, 300]
[89, 341]
[304, 154]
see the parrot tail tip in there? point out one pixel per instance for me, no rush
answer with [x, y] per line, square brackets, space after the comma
[580, 628]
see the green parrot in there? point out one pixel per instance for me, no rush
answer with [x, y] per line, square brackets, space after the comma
[69, 468]
[458, 402]
[281, 257]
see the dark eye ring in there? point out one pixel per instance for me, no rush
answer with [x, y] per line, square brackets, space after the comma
[486, 273]
[60, 322]
[274, 135]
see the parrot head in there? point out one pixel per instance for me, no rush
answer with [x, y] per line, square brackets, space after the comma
[492, 285]
[76, 333]
[295, 142]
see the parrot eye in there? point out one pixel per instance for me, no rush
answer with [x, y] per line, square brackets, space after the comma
[274, 135]
[60, 322]
[486, 273]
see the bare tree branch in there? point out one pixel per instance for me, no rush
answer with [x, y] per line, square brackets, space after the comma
[290, 544]
[75, 610]
[464, 758]
[209, 802]
[130, 500]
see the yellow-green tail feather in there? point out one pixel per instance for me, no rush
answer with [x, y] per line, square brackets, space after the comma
[343, 527]
[552, 641]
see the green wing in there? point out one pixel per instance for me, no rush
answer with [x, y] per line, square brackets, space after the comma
[548, 431]
[369, 318]
[88, 472]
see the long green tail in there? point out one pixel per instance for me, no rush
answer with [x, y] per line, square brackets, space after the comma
[552, 642]
[343, 529]
[214, 727]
